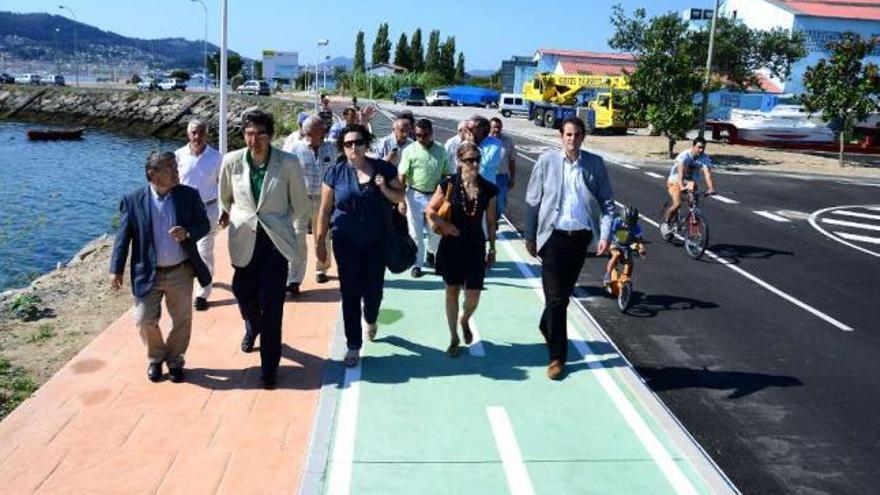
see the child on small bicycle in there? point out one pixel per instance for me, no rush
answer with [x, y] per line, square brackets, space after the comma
[626, 236]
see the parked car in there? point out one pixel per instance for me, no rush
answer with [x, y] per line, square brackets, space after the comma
[410, 96]
[32, 79]
[513, 104]
[254, 87]
[6, 78]
[148, 84]
[54, 80]
[438, 97]
[172, 84]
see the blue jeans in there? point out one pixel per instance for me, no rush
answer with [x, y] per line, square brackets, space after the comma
[502, 181]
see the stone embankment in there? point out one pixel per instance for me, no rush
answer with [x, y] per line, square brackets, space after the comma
[160, 114]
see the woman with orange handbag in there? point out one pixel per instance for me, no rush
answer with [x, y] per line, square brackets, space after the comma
[457, 211]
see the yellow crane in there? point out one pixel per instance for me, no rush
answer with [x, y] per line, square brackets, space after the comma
[553, 97]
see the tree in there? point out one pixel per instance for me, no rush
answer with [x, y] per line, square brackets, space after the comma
[432, 55]
[447, 59]
[258, 69]
[233, 64]
[845, 88]
[459, 68]
[401, 53]
[382, 46]
[416, 52]
[360, 60]
[180, 74]
[670, 64]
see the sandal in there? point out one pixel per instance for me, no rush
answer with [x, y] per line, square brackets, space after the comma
[352, 357]
[452, 350]
[371, 331]
[466, 331]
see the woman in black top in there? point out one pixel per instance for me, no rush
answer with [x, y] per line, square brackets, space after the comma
[355, 192]
[462, 258]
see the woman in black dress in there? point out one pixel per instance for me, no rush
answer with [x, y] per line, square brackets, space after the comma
[462, 258]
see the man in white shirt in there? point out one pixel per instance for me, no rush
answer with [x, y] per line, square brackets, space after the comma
[391, 146]
[453, 143]
[199, 167]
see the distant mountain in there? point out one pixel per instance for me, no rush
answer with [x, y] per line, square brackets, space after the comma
[31, 38]
[481, 72]
[347, 63]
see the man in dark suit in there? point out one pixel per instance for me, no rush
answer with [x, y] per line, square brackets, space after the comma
[161, 223]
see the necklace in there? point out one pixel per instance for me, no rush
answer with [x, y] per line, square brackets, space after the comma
[472, 211]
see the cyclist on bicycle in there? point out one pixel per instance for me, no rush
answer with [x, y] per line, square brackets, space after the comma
[683, 177]
[626, 236]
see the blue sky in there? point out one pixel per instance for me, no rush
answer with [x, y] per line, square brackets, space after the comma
[487, 31]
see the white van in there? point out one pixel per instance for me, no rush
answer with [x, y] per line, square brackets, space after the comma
[513, 104]
[32, 79]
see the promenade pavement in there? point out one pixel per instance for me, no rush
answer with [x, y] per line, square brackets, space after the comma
[408, 419]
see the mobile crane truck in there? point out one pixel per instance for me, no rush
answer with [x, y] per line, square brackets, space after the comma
[553, 98]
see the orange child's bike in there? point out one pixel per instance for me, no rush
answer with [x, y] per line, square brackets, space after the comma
[621, 285]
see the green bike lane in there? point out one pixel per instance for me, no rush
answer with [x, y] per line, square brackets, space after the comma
[410, 419]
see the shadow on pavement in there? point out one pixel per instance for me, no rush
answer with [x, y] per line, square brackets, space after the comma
[503, 361]
[307, 375]
[739, 383]
[651, 305]
[737, 252]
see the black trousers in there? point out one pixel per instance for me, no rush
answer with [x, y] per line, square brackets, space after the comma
[259, 288]
[562, 258]
[361, 279]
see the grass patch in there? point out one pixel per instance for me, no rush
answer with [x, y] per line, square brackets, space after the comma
[44, 332]
[15, 387]
[23, 307]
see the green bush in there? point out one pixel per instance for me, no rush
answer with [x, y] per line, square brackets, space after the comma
[23, 307]
[44, 332]
[15, 387]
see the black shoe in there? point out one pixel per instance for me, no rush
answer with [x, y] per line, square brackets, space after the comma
[270, 381]
[154, 372]
[176, 374]
[322, 278]
[429, 260]
[247, 343]
[416, 272]
[293, 289]
[201, 304]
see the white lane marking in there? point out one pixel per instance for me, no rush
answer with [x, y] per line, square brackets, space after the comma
[860, 238]
[342, 457]
[637, 424]
[527, 157]
[813, 221]
[627, 165]
[654, 175]
[724, 199]
[797, 302]
[771, 216]
[855, 225]
[511, 458]
[476, 348]
[856, 214]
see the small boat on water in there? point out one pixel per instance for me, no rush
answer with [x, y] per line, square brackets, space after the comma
[55, 134]
[784, 123]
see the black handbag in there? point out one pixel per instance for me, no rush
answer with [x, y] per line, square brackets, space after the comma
[400, 249]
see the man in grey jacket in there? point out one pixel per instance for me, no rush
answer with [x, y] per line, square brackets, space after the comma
[561, 217]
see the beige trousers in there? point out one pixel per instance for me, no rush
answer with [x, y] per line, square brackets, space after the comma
[297, 269]
[176, 287]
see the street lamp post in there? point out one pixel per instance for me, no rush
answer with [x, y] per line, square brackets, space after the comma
[75, 56]
[705, 103]
[321, 42]
[204, 43]
[57, 67]
[223, 74]
[326, 61]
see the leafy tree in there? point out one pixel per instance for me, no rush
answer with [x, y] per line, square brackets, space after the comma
[360, 60]
[670, 64]
[181, 74]
[401, 53]
[432, 55]
[416, 52]
[233, 64]
[258, 69]
[459, 68]
[382, 45]
[447, 59]
[845, 88]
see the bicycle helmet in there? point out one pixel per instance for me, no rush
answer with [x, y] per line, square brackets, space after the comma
[630, 214]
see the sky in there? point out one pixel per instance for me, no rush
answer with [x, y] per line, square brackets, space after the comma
[487, 31]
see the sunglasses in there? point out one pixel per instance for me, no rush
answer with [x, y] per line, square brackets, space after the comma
[356, 142]
[470, 161]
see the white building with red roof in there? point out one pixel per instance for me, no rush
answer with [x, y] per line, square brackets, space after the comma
[821, 21]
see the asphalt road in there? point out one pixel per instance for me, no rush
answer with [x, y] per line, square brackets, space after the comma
[766, 352]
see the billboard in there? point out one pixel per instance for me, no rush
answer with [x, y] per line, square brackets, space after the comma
[280, 65]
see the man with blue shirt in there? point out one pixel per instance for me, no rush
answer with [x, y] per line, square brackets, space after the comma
[491, 148]
[561, 220]
[161, 224]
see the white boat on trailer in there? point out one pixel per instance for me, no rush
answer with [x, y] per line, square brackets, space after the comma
[783, 123]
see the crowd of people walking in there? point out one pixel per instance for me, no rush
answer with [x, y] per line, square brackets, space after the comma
[337, 181]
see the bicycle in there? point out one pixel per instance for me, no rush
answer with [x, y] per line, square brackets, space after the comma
[621, 285]
[692, 226]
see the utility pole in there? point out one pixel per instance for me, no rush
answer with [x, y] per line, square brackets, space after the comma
[75, 56]
[204, 43]
[321, 42]
[705, 103]
[223, 74]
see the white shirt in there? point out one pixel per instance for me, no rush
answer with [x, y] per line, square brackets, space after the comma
[573, 202]
[291, 142]
[385, 145]
[451, 146]
[314, 164]
[201, 172]
[507, 150]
